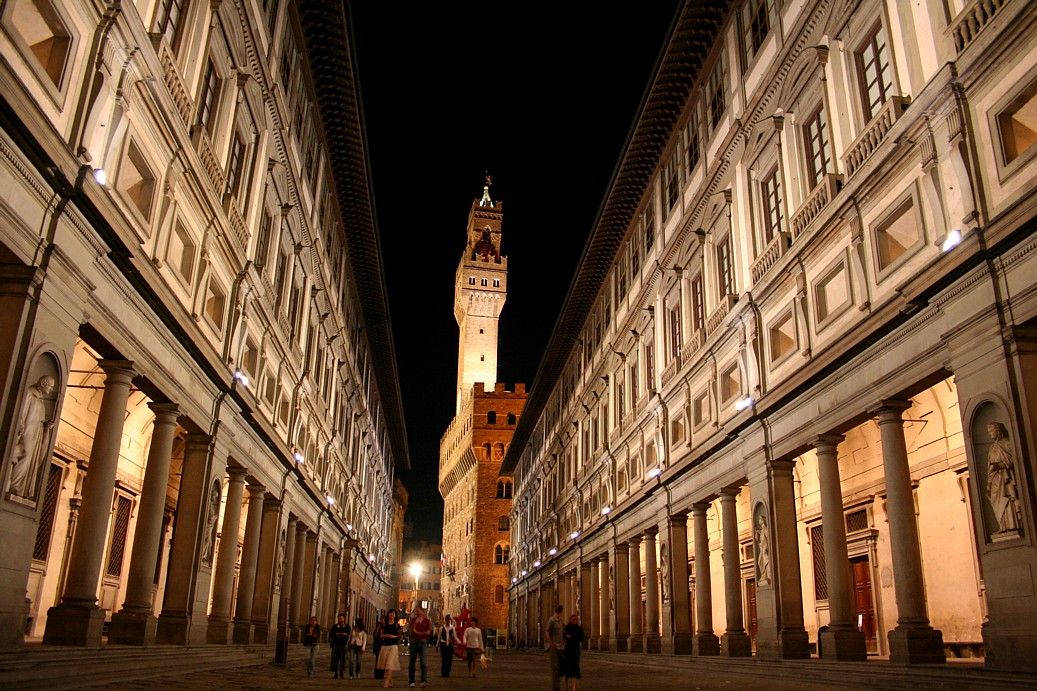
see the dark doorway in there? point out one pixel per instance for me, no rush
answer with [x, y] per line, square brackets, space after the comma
[863, 600]
[751, 624]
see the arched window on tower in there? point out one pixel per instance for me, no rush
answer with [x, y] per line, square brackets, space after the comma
[504, 489]
[491, 417]
[511, 418]
[500, 554]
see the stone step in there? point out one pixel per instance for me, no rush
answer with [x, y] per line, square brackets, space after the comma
[100, 666]
[878, 673]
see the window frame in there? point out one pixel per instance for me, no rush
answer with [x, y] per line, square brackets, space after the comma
[786, 314]
[868, 111]
[885, 219]
[839, 264]
[810, 155]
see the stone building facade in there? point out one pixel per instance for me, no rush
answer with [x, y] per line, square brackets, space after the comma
[477, 499]
[792, 390]
[200, 422]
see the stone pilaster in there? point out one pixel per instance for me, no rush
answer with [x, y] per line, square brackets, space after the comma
[219, 629]
[296, 609]
[621, 568]
[264, 605]
[706, 641]
[677, 526]
[249, 558]
[652, 640]
[735, 642]
[637, 631]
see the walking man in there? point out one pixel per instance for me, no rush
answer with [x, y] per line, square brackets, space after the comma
[554, 642]
[420, 632]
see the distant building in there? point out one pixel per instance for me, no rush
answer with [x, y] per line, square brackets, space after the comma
[477, 499]
[400, 501]
[420, 572]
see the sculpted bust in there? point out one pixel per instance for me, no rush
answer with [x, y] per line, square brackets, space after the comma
[31, 437]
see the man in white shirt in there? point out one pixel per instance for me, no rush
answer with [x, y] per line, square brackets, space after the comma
[473, 645]
[554, 642]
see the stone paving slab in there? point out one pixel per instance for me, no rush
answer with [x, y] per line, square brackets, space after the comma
[509, 670]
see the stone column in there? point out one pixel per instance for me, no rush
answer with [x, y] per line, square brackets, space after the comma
[298, 572]
[706, 641]
[186, 558]
[637, 630]
[586, 598]
[595, 603]
[680, 612]
[219, 618]
[652, 640]
[77, 620]
[263, 605]
[913, 640]
[249, 557]
[135, 624]
[621, 560]
[604, 609]
[842, 641]
[735, 641]
[287, 575]
[309, 581]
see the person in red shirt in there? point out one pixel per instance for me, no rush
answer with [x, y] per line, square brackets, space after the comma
[420, 632]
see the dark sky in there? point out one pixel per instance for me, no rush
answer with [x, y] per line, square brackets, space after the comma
[541, 95]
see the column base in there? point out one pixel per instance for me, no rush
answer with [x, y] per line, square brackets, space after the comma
[177, 629]
[705, 644]
[12, 628]
[842, 644]
[69, 624]
[653, 644]
[683, 644]
[243, 632]
[636, 644]
[736, 644]
[606, 644]
[132, 628]
[621, 644]
[260, 632]
[793, 644]
[218, 631]
[916, 645]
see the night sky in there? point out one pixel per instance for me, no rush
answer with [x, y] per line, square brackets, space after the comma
[543, 97]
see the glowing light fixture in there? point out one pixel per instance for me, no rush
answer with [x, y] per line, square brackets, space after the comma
[952, 240]
[331, 500]
[606, 510]
[743, 403]
[654, 472]
[574, 534]
[298, 457]
[370, 557]
[415, 569]
[536, 564]
[349, 527]
[524, 572]
[553, 551]
[100, 177]
[514, 579]
[241, 377]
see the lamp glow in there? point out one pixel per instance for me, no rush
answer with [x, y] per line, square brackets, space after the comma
[553, 551]
[606, 510]
[100, 177]
[349, 527]
[415, 569]
[574, 534]
[514, 579]
[952, 240]
[298, 457]
[654, 472]
[743, 403]
[524, 572]
[370, 557]
[331, 500]
[241, 377]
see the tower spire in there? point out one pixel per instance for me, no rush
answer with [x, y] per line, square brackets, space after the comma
[486, 201]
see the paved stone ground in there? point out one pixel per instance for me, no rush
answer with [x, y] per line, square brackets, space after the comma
[508, 670]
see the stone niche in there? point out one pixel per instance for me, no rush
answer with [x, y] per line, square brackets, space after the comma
[997, 473]
[34, 427]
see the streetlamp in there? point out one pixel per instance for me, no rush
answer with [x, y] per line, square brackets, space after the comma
[415, 570]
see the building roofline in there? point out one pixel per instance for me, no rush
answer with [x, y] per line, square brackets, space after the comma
[690, 39]
[331, 48]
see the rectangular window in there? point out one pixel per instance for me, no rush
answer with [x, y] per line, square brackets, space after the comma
[770, 192]
[691, 141]
[674, 319]
[136, 181]
[649, 355]
[1017, 125]
[117, 548]
[635, 259]
[45, 527]
[270, 9]
[215, 304]
[266, 224]
[648, 225]
[287, 61]
[725, 270]
[673, 181]
[210, 94]
[280, 276]
[730, 383]
[875, 71]
[831, 293]
[782, 336]
[633, 385]
[716, 96]
[700, 408]
[619, 397]
[698, 304]
[170, 18]
[757, 18]
[815, 138]
[895, 235]
[621, 278]
[235, 164]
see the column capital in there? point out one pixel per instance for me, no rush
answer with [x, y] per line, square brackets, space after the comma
[117, 370]
[197, 441]
[781, 467]
[292, 520]
[891, 409]
[271, 502]
[827, 442]
[730, 492]
[621, 546]
[255, 490]
[699, 508]
[650, 534]
[677, 519]
[237, 473]
[300, 527]
[165, 413]
[635, 542]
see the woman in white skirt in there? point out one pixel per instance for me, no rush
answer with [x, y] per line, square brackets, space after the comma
[389, 655]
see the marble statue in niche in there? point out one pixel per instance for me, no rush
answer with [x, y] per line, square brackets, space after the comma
[210, 523]
[32, 435]
[1001, 486]
[664, 572]
[279, 559]
[762, 547]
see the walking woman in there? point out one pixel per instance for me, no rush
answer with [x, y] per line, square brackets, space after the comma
[357, 646]
[573, 637]
[389, 655]
[311, 639]
[376, 646]
[445, 641]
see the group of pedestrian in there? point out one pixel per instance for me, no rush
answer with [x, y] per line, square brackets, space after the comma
[563, 643]
[348, 644]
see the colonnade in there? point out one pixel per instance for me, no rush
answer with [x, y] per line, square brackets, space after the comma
[309, 574]
[605, 587]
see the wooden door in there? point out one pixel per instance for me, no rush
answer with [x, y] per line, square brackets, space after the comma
[751, 624]
[863, 601]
